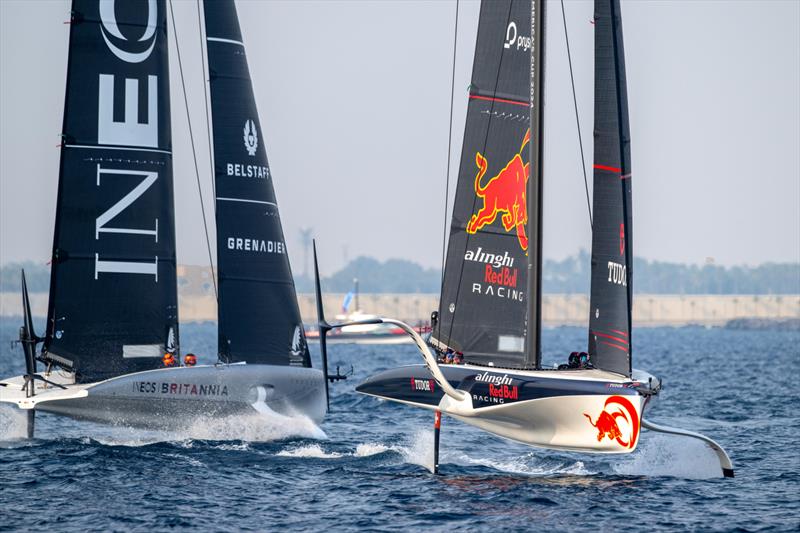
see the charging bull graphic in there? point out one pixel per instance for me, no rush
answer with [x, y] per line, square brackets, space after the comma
[504, 193]
[617, 407]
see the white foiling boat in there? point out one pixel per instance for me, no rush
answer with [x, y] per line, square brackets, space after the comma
[113, 308]
[490, 305]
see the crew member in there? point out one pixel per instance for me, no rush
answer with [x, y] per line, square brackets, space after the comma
[190, 359]
[169, 359]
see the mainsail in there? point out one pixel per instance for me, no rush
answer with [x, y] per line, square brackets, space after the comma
[611, 293]
[113, 290]
[259, 319]
[482, 311]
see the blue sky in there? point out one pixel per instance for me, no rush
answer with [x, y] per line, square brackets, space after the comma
[354, 101]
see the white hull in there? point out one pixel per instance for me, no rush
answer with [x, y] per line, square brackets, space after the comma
[559, 423]
[578, 410]
[173, 398]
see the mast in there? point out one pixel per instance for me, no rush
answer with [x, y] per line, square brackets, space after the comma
[533, 348]
[113, 305]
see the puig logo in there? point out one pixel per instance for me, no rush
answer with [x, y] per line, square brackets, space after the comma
[250, 137]
[520, 42]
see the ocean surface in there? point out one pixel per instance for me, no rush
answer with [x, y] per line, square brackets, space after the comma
[365, 466]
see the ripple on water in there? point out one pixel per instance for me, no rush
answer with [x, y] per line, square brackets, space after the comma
[366, 467]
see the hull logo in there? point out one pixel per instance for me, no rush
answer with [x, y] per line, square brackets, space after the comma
[424, 385]
[494, 379]
[617, 407]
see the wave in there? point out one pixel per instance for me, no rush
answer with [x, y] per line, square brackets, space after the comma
[417, 449]
[314, 451]
[13, 424]
[670, 455]
[257, 427]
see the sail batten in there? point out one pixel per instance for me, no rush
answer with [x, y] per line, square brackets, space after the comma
[113, 284]
[259, 318]
[611, 284]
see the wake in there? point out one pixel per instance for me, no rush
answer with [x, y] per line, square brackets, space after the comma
[265, 426]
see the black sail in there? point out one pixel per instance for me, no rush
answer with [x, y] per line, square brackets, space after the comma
[482, 309]
[259, 319]
[113, 290]
[611, 292]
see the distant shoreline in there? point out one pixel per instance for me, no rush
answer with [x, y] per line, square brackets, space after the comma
[747, 311]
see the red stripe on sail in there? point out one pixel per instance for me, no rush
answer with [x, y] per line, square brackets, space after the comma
[501, 100]
[615, 346]
[610, 169]
[617, 339]
[619, 332]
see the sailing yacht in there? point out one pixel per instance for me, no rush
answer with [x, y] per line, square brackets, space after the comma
[362, 328]
[113, 307]
[490, 304]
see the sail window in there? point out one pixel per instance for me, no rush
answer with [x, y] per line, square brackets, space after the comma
[141, 350]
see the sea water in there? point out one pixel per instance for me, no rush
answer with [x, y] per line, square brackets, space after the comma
[366, 466]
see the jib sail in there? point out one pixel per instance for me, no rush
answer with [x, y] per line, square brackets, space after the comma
[113, 291]
[482, 310]
[611, 293]
[259, 319]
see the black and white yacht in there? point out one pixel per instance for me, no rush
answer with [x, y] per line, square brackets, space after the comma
[111, 350]
[482, 363]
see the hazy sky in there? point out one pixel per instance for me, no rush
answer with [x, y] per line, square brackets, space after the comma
[354, 102]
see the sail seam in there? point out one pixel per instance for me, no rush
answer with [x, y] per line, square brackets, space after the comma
[501, 100]
[221, 40]
[126, 148]
[247, 201]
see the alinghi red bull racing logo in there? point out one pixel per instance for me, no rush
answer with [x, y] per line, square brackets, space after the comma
[504, 193]
[616, 408]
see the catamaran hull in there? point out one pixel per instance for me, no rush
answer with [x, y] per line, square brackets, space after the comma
[583, 410]
[175, 398]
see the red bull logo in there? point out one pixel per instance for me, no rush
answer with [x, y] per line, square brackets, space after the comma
[507, 392]
[617, 407]
[503, 194]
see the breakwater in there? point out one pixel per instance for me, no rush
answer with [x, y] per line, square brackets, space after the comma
[557, 309]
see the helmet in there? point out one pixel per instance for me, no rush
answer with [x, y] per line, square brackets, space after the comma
[190, 359]
[168, 359]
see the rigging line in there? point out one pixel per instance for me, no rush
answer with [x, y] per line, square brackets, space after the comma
[449, 148]
[206, 81]
[483, 150]
[577, 119]
[194, 151]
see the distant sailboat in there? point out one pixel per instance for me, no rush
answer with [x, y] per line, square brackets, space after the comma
[490, 305]
[361, 327]
[113, 308]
